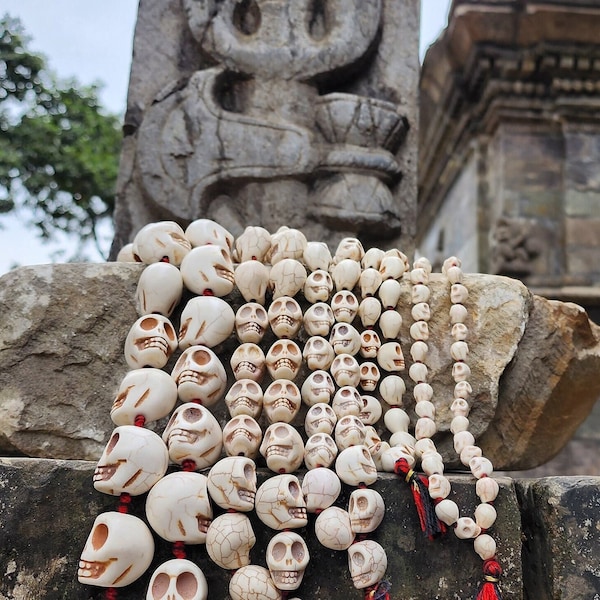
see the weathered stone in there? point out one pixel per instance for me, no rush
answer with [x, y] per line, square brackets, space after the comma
[561, 542]
[48, 508]
[266, 112]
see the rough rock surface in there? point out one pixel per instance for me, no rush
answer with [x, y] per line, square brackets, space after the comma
[48, 508]
[62, 330]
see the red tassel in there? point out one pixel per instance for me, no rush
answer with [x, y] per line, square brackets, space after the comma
[379, 591]
[489, 588]
[111, 593]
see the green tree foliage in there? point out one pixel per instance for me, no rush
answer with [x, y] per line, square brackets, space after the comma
[58, 151]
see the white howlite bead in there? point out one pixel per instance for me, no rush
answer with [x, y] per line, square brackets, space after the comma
[460, 371]
[459, 331]
[403, 439]
[422, 263]
[391, 455]
[487, 489]
[447, 511]
[466, 528]
[372, 258]
[469, 452]
[439, 486]
[481, 467]
[454, 274]
[451, 261]
[460, 407]
[423, 446]
[420, 293]
[462, 439]
[421, 312]
[463, 390]
[422, 392]
[418, 351]
[432, 463]
[419, 276]
[485, 515]
[485, 546]
[425, 428]
[419, 331]
[459, 424]
[418, 372]
[459, 351]
[390, 323]
[458, 293]
[396, 419]
[369, 282]
[389, 293]
[425, 409]
[458, 313]
[391, 389]
[369, 311]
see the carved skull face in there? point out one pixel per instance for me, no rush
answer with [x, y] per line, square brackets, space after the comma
[253, 244]
[481, 466]
[287, 559]
[242, 436]
[460, 407]
[439, 486]
[162, 241]
[148, 392]
[460, 371]
[346, 401]
[245, 397]
[178, 579]
[251, 322]
[391, 389]
[459, 331]
[318, 286]
[370, 343]
[282, 447]
[285, 317]
[193, 433]
[367, 562]
[287, 278]
[133, 461]
[466, 528]
[349, 431]
[345, 306]
[232, 483]
[178, 507]
[371, 410]
[150, 342]
[318, 319]
[248, 362]
[280, 504]
[321, 488]
[369, 376]
[345, 274]
[320, 418]
[229, 540]
[317, 256]
[318, 353]
[355, 465]
[202, 232]
[159, 289]
[390, 357]
[345, 370]
[317, 387]
[351, 248]
[118, 551]
[463, 389]
[282, 401]
[367, 509]
[320, 451]
[205, 321]
[345, 339]
[208, 269]
[284, 360]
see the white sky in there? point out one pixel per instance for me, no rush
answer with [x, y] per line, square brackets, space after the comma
[92, 41]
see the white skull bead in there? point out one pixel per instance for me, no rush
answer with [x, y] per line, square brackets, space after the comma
[279, 503]
[252, 244]
[287, 278]
[320, 488]
[344, 306]
[204, 231]
[347, 401]
[333, 529]
[392, 267]
[390, 357]
[199, 375]
[318, 319]
[232, 483]
[349, 431]
[178, 507]
[318, 353]
[317, 256]
[251, 322]
[320, 451]
[193, 433]
[285, 317]
[287, 558]
[355, 465]
[245, 397]
[317, 387]
[161, 241]
[252, 582]
[367, 509]
[282, 401]
[284, 360]
[229, 540]
[159, 289]
[282, 447]
[320, 418]
[390, 323]
[150, 393]
[118, 550]
[150, 342]
[369, 311]
[286, 243]
[372, 258]
[248, 361]
[208, 270]
[242, 436]
[345, 370]
[481, 467]
[371, 410]
[370, 343]
[205, 321]
[367, 561]
[346, 274]
[345, 339]
[466, 528]
[133, 460]
[252, 281]
[351, 248]
[369, 282]
[318, 286]
[392, 389]
[369, 376]
[177, 579]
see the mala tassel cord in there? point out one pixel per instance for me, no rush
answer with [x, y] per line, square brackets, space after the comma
[379, 591]
[430, 524]
[489, 588]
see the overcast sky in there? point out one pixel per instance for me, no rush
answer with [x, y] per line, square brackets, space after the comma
[92, 41]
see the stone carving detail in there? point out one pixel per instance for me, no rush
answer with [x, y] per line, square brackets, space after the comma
[516, 244]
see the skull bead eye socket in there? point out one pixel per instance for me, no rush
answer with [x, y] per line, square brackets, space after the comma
[114, 440]
[276, 388]
[318, 378]
[318, 344]
[187, 585]
[277, 349]
[358, 559]
[191, 415]
[280, 432]
[248, 472]
[170, 332]
[291, 390]
[278, 551]
[160, 585]
[149, 324]
[342, 330]
[290, 306]
[298, 551]
[319, 310]
[293, 349]
[99, 536]
[348, 361]
[245, 312]
[294, 489]
[201, 357]
[253, 388]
